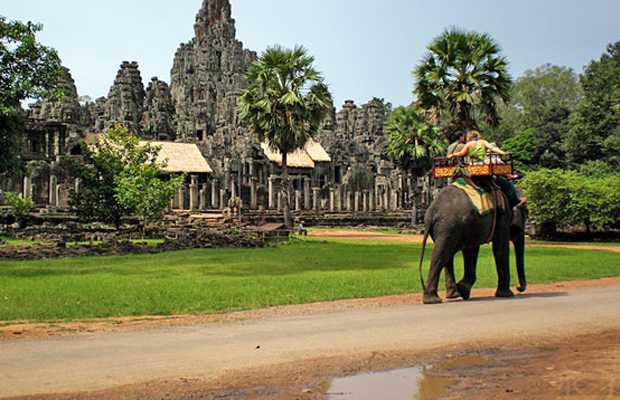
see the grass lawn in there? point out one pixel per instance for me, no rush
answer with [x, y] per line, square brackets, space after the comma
[222, 280]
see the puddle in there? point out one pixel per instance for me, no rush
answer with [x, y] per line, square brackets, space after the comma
[405, 384]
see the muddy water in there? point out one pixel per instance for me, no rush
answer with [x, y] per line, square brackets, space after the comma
[406, 384]
[409, 383]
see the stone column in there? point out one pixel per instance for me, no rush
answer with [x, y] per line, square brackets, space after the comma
[307, 193]
[357, 201]
[316, 199]
[193, 193]
[338, 193]
[214, 196]
[202, 195]
[26, 187]
[331, 199]
[349, 201]
[77, 184]
[279, 201]
[253, 194]
[233, 188]
[272, 197]
[53, 195]
[364, 200]
[297, 200]
[222, 199]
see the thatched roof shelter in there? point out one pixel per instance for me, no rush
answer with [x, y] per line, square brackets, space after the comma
[312, 153]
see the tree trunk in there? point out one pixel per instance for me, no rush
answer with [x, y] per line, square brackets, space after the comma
[286, 190]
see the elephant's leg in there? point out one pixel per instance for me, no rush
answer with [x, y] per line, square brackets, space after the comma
[470, 256]
[501, 252]
[442, 254]
[519, 244]
[451, 289]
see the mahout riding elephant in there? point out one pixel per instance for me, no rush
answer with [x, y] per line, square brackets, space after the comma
[455, 225]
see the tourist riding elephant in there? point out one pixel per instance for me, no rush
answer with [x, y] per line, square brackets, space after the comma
[455, 225]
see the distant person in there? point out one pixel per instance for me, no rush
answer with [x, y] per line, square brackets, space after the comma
[301, 230]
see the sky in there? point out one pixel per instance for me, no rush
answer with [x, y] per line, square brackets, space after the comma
[364, 48]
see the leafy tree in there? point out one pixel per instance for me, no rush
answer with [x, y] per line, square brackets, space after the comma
[385, 107]
[595, 125]
[27, 70]
[523, 149]
[120, 177]
[413, 141]
[464, 76]
[571, 197]
[541, 102]
[284, 104]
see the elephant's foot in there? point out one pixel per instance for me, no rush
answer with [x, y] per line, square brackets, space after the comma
[521, 289]
[452, 292]
[464, 290]
[431, 299]
[504, 293]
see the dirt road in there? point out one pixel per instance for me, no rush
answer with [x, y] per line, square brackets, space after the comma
[301, 346]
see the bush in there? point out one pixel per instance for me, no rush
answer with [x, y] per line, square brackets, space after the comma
[20, 206]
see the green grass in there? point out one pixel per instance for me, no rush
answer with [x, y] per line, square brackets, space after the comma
[222, 280]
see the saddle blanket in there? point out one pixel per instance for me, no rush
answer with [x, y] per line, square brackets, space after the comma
[482, 200]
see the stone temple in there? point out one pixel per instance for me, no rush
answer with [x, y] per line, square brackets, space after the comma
[343, 170]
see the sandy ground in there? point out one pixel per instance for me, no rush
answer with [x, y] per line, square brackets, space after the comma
[578, 356]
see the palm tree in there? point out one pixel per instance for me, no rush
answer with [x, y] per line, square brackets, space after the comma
[413, 142]
[284, 104]
[464, 75]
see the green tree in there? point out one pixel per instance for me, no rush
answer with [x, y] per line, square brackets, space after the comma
[463, 75]
[120, 177]
[595, 125]
[541, 102]
[27, 70]
[284, 104]
[413, 141]
[412, 144]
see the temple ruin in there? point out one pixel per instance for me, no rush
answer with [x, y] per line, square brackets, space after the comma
[343, 170]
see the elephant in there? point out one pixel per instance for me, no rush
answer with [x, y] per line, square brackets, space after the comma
[455, 225]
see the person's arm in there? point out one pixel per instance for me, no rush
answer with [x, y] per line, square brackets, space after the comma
[463, 151]
[493, 149]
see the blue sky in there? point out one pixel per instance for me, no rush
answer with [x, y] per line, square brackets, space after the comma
[364, 48]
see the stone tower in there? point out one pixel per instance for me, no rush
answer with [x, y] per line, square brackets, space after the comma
[125, 102]
[206, 78]
[158, 116]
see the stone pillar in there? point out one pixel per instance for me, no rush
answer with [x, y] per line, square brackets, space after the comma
[307, 193]
[349, 202]
[253, 194]
[193, 193]
[386, 198]
[316, 199]
[338, 198]
[77, 184]
[214, 196]
[59, 199]
[26, 187]
[297, 200]
[222, 199]
[272, 197]
[279, 201]
[53, 201]
[202, 195]
[357, 201]
[331, 199]
[372, 204]
[365, 200]
[233, 188]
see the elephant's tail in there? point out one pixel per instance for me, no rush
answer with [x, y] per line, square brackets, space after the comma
[426, 232]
